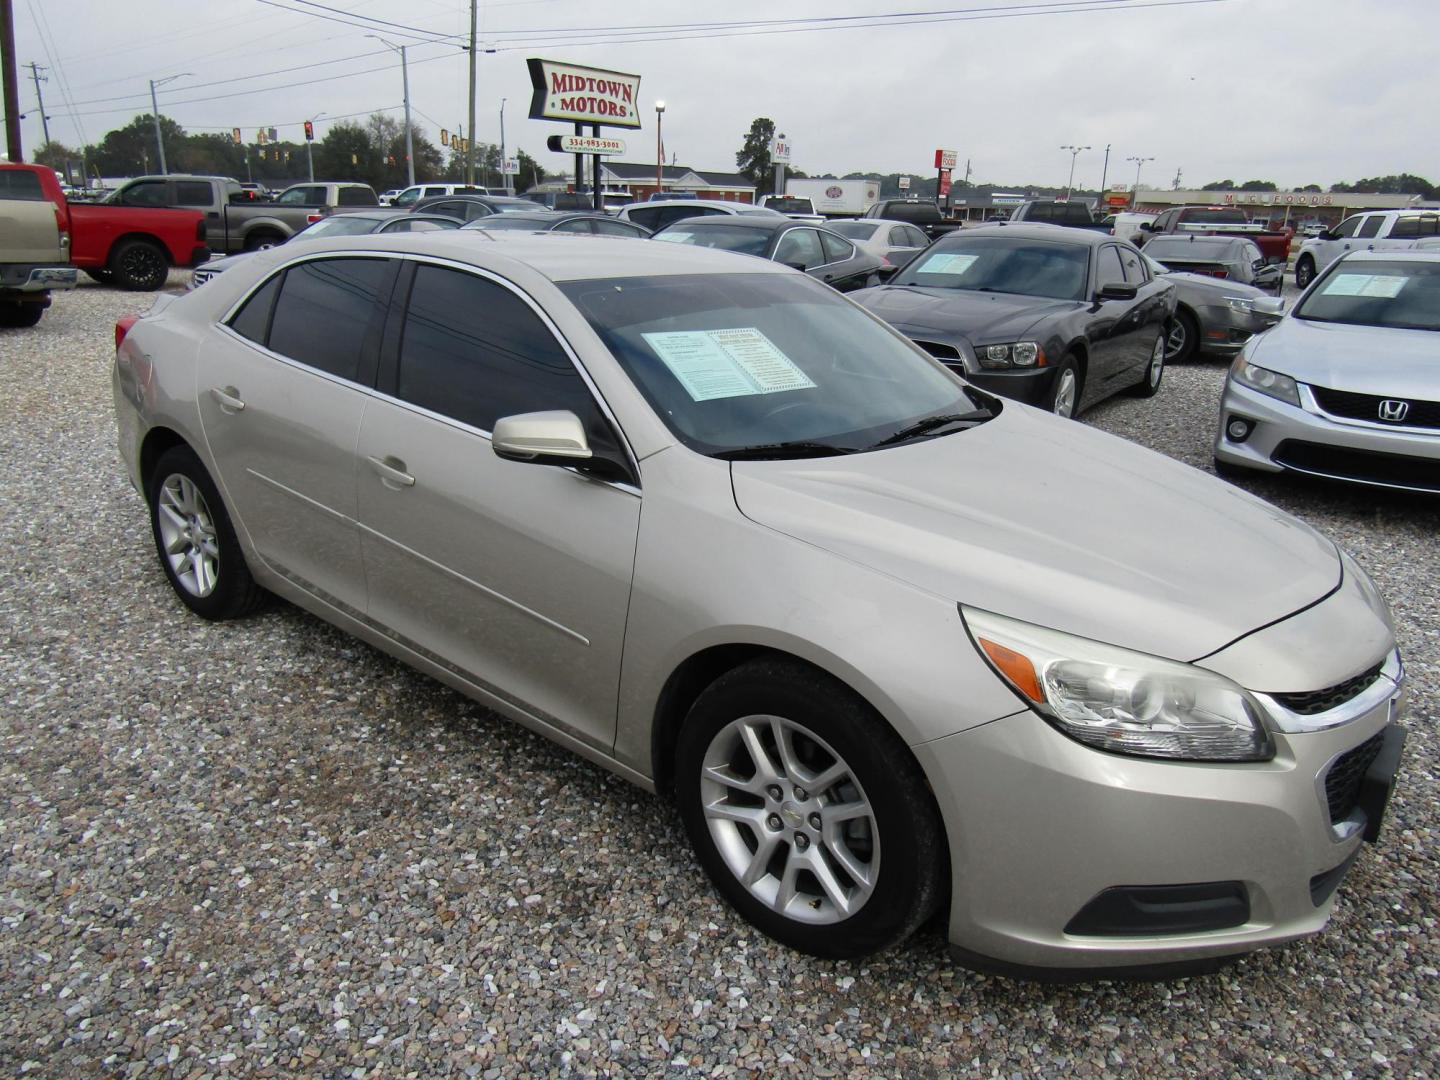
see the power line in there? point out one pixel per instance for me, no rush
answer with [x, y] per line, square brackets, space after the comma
[429, 37]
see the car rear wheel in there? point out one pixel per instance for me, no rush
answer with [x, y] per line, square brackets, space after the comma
[263, 241]
[1065, 389]
[1182, 338]
[808, 812]
[1149, 384]
[1304, 271]
[18, 315]
[195, 541]
[104, 277]
[138, 265]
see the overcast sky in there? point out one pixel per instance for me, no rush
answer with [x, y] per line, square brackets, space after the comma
[1295, 91]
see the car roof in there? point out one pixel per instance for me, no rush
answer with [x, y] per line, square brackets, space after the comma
[1038, 231]
[726, 205]
[553, 255]
[487, 200]
[877, 222]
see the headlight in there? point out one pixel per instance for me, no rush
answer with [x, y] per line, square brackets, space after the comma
[1242, 304]
[1265, 380]
[1122, 701]
[1020, 354]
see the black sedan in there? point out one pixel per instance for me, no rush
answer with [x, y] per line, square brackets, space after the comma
[1055, 317]
[548, 221]
[824, 255]
[469, 207]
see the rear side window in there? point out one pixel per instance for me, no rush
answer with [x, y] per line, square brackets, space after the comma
[835, 248]
[474, 351]
[647, 216]
[1412, 226]
[20, 184]
[324, 311]
[357, 196]
[192, 193]
[252, 320]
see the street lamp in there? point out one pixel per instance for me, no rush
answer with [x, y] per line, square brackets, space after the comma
[309, 156]
[504, 176]
[1074, 153]
[659, 149]
[1135, 191]
[155, 110]
[405, 84]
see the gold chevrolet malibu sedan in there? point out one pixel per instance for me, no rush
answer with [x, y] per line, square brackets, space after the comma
[890, 643]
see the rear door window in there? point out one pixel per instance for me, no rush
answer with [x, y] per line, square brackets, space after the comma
[357, 196]
[146, 193]
[253, 319]
[1411, 227]
[325, 311]
[648, 216]
[836, 250]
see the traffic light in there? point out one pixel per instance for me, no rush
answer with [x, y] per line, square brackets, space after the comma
[309, 131]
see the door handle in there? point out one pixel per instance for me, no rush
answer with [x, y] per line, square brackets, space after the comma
[229, 399]
[392, 472]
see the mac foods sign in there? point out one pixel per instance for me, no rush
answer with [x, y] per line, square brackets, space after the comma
[583, 95]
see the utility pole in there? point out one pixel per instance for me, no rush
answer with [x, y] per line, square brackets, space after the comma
[470, 127]
[1105, 172]
[504, 176]
[11, 78]
[1176, 185]
[155, 108]
[405, 84]
[1135, 191]
[35, 70]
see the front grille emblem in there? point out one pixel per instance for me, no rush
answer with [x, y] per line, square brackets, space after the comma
[1393, 410]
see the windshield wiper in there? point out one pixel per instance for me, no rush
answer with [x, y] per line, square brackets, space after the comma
[796, 449]
[931, 423]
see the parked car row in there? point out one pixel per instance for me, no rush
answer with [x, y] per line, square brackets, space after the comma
[891, 642]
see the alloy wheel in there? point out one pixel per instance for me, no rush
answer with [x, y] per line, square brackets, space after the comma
[1177, 340]
[1157, 359]
[1065, 394]
[187, 530]
[790, 819]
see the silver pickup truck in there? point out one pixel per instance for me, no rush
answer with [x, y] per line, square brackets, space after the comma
[34, 251]
[233, 220]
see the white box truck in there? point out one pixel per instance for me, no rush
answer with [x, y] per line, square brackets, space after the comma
[836, 198]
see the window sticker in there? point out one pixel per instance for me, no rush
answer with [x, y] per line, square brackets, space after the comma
[741, 362]
[942, 263]
[674, 237]
[1387, 286]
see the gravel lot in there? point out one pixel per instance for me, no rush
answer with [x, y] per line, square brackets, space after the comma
[264, 849]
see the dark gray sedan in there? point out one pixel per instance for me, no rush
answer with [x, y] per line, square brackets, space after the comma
[824, 255]
[1213, 316]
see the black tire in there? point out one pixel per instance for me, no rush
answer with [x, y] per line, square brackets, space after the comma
[1068, 363]
[1154, 373]
[259, 241]
[104, 277]
[1227, 471]
[1304, 271]
[1182, 340]
[910, 858]
[20, 315]
[234, 592]
[139, 266]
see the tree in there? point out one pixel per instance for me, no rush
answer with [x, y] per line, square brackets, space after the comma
[1400, 184]
[1219, 185]
[1259, 185]
[131, 150]
[531, 173]
[345, 153]
[56, 155]
[753, 159]
[1309, 187]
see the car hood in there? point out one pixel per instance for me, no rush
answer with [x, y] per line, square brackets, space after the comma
[985, 318]
[1362, 359]
[1048, 521]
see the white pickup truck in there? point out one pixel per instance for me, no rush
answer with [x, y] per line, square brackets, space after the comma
[1375, 230]
[34, 250]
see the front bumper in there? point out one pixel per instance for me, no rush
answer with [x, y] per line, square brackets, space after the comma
[1306, 440]
[1041, 826]
[1033, 386]
[1224, 332]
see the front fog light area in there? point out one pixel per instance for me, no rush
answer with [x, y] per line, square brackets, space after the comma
[1122, 701]
[1238, 429]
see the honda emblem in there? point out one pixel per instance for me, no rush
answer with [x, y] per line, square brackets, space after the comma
[1393, 410]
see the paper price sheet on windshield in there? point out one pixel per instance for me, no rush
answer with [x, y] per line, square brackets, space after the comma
[943, 263]
[714, 364]
[1387, 286]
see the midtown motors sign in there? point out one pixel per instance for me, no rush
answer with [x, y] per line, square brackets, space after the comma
[583, 95]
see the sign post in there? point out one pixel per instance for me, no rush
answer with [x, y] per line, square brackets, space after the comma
[582, 95]
[945, 161]
[780, 157]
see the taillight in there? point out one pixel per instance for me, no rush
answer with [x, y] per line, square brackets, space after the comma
[1220, 273]
[310, 219]
[63, 225]
[122, 327]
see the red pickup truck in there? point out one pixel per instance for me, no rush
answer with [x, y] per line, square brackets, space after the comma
[1220, 221]
[129, 246]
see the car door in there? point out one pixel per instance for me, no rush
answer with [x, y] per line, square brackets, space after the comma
[1152, 306]
[845, 268]
[1405, 230]
[801, 249]
[201, 195]
[1341, 240]
[282, 388]
[1115, 328]
[515, 576]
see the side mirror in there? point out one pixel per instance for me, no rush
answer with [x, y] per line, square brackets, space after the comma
[541, 438]
[1147, 226]
[885, 273]
[1269, 308]
[1328, 234]
[1118, 291]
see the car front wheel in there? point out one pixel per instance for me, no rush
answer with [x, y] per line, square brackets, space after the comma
[1304, 271]
[1149, 384]
[808, 812]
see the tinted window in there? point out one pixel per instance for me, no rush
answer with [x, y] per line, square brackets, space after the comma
[835, 248]
[800, 248]
[1108, 270]
[302, 196]
[1371, 225]
[917, 238]
[19, 184]
[856, 230]
[1348, 226]
[409, 197]
[647, 216]
[1008, 264]
[744, 240]
[474, 351]
[324, 310]
[1134, 269]
[1204, 216]
[252, 319]
[357, 196]
[579, 225]
[192, 193]
[1412, 226]
[616, 228]
[897, 237]
[146, 193]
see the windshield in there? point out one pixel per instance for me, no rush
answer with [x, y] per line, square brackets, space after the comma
[339, 225]
[1004, 264]
[789, 205]
[744, 364]
[854, 230]
[1197, 216]
[511, 206]
[1403, 295]
[725, 237]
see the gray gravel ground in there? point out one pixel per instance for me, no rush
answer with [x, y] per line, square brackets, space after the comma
[264, 849]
